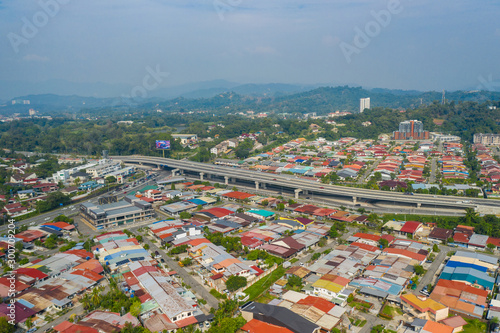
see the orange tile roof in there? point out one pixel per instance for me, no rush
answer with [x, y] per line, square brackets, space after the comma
[92, 264]
[367, 236]
[433, 327]
[317, 302]
[423, 304]
[88, 274]
[257, 326]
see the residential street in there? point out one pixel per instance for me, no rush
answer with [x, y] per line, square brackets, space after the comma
[427, 278]
[188, 279]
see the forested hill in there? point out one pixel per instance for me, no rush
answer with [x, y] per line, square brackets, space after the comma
[320, 100]
[325, 99]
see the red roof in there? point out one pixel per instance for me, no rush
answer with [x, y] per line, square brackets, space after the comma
[367, 236]
[75, 328]
[406, 253]
[31, 272]
[238, 195]
[460, 237]
[250, 242]
[364, 246]
[81, 253]
[62, 225]
[19, 286]
[92, 264]
[318, 302]
[62, 326]
[259, 271]
[411, 227]
[494, 241]
[217, 211]
[30, 235]
[130, 278]
[88, 274]
[389, 238]
[186, 321]
[147, 199]
[257, 326]
[216, 276]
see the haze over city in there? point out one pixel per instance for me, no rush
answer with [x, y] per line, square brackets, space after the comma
[400, 44]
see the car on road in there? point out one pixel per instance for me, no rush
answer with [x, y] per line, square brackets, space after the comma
[32, 223]
[125, 192]
[321, 187]
[48, 218]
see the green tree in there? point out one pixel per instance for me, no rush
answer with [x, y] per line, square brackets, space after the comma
[383, 242]
[294, 281]
[435, 248]
[419, 270]
[5, 327]
[110, 179]
[135, 308]
[184, 215]
[235, 282]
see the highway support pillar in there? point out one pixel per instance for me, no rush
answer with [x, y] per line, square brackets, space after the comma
[354, 200]
[201, 175]
[419, 205]
[257, 185]
[174, 172]
[297, 192]
[226, 180]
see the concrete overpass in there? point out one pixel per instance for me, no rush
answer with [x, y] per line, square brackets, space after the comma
[230, 175]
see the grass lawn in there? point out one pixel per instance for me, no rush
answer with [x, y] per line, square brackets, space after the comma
[263, 284]
[294, 260]
[392, 310]
[474, 326]
[265, 298]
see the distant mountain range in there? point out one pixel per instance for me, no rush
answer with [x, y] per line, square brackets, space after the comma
[220, 93]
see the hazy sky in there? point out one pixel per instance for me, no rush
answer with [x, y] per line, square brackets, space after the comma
[424, 44]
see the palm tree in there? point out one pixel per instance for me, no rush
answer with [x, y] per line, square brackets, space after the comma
[86, 301]
[96, 296]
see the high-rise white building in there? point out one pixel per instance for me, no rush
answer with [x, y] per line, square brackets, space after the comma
[364, 103]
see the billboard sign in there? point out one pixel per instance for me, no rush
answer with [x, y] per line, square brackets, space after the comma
[162, 144]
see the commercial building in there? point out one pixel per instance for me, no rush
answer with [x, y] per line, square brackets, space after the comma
[411, 130]
[487, 139]
[103, 168]
[364, 103]
[128, 210]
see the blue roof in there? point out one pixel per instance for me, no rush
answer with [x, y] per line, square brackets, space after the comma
[52, 227]
[261, 212]
[197, 201]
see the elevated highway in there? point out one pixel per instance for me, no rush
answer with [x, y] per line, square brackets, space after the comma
[232, 175]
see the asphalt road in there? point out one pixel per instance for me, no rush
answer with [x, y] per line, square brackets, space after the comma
[304, 184]
[427, 278]
[188, 279]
